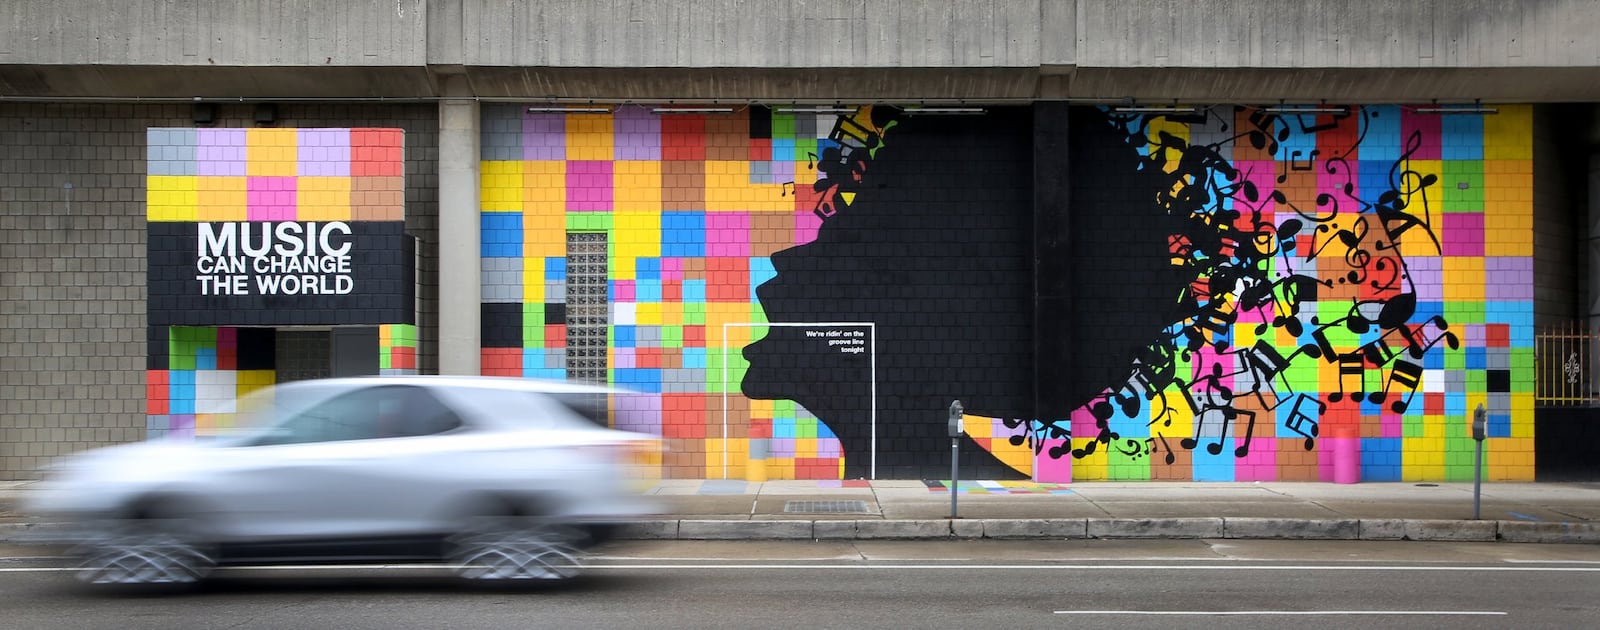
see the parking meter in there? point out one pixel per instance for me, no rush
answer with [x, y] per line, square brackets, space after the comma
[1480, 423]
[956, 429]
[957, 426]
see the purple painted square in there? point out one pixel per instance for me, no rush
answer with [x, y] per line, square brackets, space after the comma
[221, 152]
[544, 137]
[637, 135]
[324, 152]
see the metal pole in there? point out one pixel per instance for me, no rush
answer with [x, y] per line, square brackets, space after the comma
[1477, 480]
[1480, 430]
[955, 483]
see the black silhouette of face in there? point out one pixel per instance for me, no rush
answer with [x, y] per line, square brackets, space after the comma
[937, 249]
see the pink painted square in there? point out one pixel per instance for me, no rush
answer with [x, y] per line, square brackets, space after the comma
[727, 234]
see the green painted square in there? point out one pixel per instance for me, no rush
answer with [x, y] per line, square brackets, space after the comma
[672, 336]
[1301, 376]
[588, 221]
[1123, 467]
[1458, 473]
[782, 128]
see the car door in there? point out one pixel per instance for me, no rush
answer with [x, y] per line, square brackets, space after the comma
[356, 465]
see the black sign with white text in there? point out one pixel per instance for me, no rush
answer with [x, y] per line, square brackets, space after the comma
[280, 273]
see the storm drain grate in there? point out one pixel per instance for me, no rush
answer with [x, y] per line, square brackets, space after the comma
[825, 507]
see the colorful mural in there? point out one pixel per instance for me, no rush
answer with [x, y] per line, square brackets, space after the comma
[1355, 284]
[1359, 283]
[693, 206]
[250, 229]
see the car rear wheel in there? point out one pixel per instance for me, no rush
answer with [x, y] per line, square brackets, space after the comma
[144, 552]
[517, 548]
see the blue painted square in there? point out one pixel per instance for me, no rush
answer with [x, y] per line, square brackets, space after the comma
[1477, 359]
[683, 234]
[694, 291]
[1499, 425]
[205, 359]
[647, 269]
[549, 373]
[647, 290]
[694, 358]
[555, 268]
[622, 336]
[783, 149]
[501, 234]
[645, 380]
[1383, 141]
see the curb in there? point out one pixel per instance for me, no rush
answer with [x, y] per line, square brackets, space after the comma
[1582, 533]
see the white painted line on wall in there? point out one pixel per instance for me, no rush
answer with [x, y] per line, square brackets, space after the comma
[873, 350]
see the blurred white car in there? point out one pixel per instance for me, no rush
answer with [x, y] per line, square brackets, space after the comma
[501, 478]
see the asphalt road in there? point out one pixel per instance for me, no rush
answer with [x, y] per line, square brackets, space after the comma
[1034, 584]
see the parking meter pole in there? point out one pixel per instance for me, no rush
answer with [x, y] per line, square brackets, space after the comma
[955, 483]
[1479, 432]
[955, 428]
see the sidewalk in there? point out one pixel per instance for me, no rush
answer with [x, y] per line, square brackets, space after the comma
[800, 510]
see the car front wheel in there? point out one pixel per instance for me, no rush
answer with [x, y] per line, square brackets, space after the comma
[143, 552]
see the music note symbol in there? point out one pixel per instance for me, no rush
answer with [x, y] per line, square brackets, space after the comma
[1299, 419]
[1409, 376]
[785, 188]
[1351, 368]
[1249, 432]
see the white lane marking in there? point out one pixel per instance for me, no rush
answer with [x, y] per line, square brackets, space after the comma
[1093, 567]
[891, 566]
[1275, 613]
[1509, 561]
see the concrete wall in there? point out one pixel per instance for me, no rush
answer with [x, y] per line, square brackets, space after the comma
[1357, 50]
[73, 261]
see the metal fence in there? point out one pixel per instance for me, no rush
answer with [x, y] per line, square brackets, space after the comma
[1563, 356]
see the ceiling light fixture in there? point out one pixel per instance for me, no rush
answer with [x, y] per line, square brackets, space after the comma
[1466, 109]
[786, 109]
[1305, 109]
[692, 110]
[916, 110]
[569, 110]
[1154, 109]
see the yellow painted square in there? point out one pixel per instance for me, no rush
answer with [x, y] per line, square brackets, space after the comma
[672, 314]
[544, 186]
[1509, 134]
[590, 137]
[272, 153]
[221, 199]
[648, 314]
[636, 234]
[324, 199]
[1463, 278]
[533, 279]
[544, 233]
[636, 186]
[500, 185]
[1092, 468]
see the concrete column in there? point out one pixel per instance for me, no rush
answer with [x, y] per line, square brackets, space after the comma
[459, 224]
[1592, 264]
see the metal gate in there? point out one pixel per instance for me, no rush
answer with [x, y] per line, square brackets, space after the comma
[1563, 357]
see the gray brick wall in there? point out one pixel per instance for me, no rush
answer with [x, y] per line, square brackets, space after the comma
[72, 261]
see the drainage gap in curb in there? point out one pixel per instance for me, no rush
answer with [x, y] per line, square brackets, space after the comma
[825, 507]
